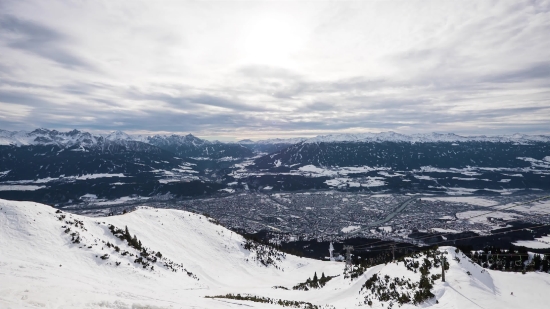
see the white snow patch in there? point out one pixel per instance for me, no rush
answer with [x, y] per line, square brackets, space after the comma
[440, 230]
[533, 244]
[88, 196]
[20, 187]
[481, 216]
[350, 228]
[122, 200]
[472, 200]
[424, 177]
[95, 176]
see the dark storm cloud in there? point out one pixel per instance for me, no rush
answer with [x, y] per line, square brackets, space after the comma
[38, 39]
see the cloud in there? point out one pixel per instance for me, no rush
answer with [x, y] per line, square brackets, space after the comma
[13, 112]
[233, 70]
[40, 40]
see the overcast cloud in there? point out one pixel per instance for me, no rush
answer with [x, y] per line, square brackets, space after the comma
[257, 69]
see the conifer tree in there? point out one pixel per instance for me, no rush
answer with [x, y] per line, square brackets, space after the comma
[127, 235]
[134, 242]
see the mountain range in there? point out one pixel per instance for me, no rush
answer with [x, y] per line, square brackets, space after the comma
[44, 136]
[59, 167]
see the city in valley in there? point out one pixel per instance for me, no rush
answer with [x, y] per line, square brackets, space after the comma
[332, 215]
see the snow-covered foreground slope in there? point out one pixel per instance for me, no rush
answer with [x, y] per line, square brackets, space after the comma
[43, 266]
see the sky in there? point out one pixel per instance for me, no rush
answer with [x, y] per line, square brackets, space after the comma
[263, 69]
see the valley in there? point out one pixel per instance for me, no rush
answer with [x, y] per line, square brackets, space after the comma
[417, 189]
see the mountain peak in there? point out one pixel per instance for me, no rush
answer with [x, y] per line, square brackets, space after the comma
[117, 136]
[73, 132]
[40, 131]
[246, 141]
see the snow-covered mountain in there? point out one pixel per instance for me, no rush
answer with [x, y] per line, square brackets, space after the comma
[119, 136]
[185, 165]
[46, 137]
[180, 145]
[157, 258]
[293, 140]
[426, 138]
[405, 156]
[397, 137]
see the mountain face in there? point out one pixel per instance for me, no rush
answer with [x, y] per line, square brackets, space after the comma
[184, 260]
[57, 175]
[467, 167]
[406, 156]
[48, 137]
[191, 146]
[183, 146]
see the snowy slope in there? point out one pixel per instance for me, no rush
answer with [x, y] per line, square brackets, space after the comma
[44, 267]
[41, 267]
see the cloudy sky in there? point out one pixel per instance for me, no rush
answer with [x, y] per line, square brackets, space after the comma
[260, 69]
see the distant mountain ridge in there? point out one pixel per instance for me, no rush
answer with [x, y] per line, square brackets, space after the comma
[425, 138]
[44, 136]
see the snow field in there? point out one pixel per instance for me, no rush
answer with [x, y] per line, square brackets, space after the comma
[41, 267]
[38, 246]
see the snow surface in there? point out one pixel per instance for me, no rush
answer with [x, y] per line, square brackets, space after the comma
[533, 244]
[472, 200]
[481, 216]
[120, 200]
[41, 268]
[350, 228]
[534, 207]
[20, 187]
[65, 178]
